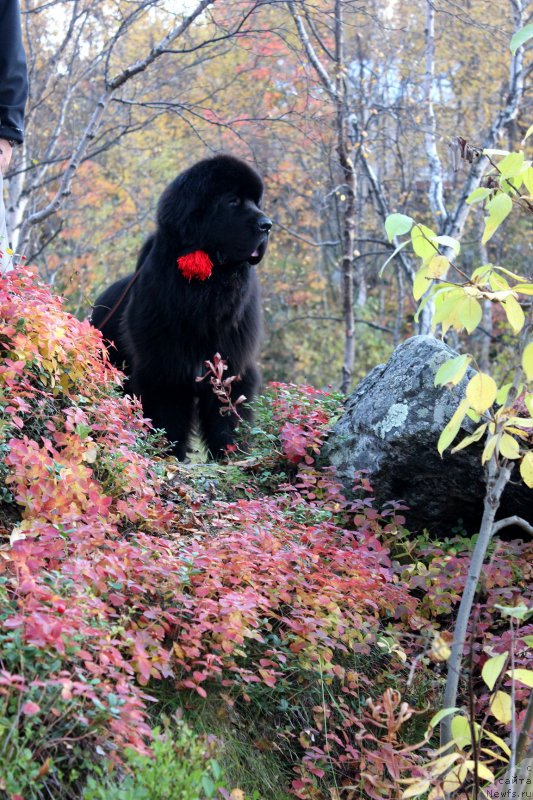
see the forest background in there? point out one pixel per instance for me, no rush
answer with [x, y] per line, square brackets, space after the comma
[349, 111]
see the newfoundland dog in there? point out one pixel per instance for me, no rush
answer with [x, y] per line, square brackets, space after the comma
[194, 294]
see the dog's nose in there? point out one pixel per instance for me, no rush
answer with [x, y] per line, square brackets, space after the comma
[264, 224]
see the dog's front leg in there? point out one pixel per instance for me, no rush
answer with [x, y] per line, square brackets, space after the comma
[170, 407]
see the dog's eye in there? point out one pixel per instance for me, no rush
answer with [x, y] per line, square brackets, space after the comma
[234, 201]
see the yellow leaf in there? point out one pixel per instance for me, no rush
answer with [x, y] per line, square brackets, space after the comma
[523, 288]
[528, 133]
[527, 177]
[437, 794]
[526, 469]
[508, 446]
[527, 361]
[514, 313]
[417, 788]
[438, 267]
[489, 449]
[524, 676]
[492, 669]
[443, 763]
[452, 428]
[475, 437]
[440, 649]
[484, 772]
[481, 392]
[421, 283]
[452, 781]
[493, 754]
[501, 707]
[498, 741]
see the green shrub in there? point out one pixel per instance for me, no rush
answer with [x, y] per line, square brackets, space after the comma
[181, 767]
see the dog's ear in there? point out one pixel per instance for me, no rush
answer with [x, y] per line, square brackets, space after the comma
[180, 210]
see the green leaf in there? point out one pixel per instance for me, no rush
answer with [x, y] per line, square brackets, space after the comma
[400, 247]
[452, 371]
[527, 361]
[397, 225]
[446, 302]
[516, 612]
[511, 274]
[440, 715]
[511, 165]
[492, 669]
[477, 195]
[498, 208]
[471, 414]
[509, 185]
[461, 731]
[453, 427]
[449, 241]
[521, 37]
[421, 283]
[527, 177]
[503, 394]
[421, 238]
[498, 283]
[481, 392]
[469, 313]
[208, 786]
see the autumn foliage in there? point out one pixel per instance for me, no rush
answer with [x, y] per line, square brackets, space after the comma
[115, 579]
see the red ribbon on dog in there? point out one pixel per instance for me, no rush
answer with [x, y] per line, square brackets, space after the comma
[195, 265]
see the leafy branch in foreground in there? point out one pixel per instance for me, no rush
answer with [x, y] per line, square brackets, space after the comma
[503, 415]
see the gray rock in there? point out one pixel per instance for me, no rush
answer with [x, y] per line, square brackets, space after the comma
[391, 426]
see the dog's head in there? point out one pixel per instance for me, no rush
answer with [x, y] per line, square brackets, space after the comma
[215, 206]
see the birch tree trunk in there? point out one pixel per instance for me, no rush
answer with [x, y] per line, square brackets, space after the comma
[336, 89]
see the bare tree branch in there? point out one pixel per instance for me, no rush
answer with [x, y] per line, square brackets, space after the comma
[98, 113]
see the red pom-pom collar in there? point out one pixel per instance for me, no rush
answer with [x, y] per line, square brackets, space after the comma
[195, 265]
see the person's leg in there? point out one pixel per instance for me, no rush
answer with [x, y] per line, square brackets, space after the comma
[6, 260]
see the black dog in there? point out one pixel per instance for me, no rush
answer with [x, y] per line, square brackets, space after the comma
[170, 322]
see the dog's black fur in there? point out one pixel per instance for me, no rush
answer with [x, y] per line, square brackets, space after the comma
[167, 326]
